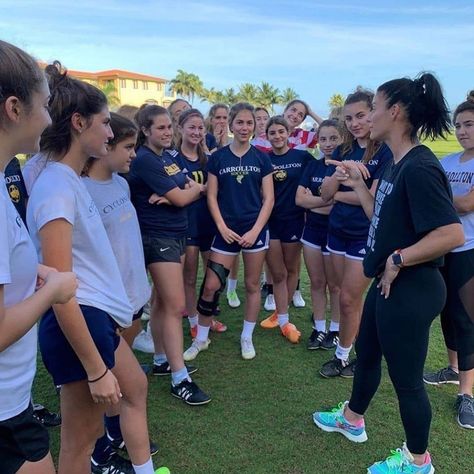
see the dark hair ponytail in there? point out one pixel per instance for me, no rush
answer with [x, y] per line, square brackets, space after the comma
[425, 105]
[68, 96]
[467, 105]
[144, 119]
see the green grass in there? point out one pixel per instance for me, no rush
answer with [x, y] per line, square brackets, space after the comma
[442, 148]
[259, 420]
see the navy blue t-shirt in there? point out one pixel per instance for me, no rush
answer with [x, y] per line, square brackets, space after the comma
[200, 222]
[151, 173]
[239, 185]
[211, 141]
[347, 220]
[16, 187]
[288, 169]
[312, 178]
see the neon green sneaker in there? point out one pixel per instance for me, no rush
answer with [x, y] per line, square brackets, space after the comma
[233, 299]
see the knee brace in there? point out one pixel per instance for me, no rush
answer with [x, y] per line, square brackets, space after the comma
[208, 308]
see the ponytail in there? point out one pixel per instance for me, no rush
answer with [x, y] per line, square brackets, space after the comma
[144, 119]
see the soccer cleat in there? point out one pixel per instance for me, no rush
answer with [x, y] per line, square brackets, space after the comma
[144, 342]
[115, 465]
[465, 408]
[47, 418]
[269, 304]
[217, 326]
[247, 349]
[337, 367]
[334, 421]
[195, 348]
[291, 333]
[443, 376]
[330, 341]
[401, 462]
[165, 369]
[189, 393]
[270, 322]
[233, 299]
[119, 444]
[315, 340]
[298, 301]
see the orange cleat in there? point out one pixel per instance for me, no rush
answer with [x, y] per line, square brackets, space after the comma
[217, 326]
[270, 322]
[193, 331]
[291, 333]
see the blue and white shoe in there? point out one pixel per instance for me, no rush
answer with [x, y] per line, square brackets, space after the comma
[334, 421]
[401, 462]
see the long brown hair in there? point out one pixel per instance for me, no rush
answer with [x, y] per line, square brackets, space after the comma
[183, 118]
[144, 119]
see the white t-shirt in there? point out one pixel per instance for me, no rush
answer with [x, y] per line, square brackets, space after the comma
[461, 178]
[18, 270]
[112, 199]
[60, 194]
[32, 169]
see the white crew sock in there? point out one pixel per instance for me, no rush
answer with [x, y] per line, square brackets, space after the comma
[203, 333]
[231, 285]
[193, 320]
[334, 326]
[319, 325]
[342, 353]
[146, 468]
[283, 319]
[247, 330]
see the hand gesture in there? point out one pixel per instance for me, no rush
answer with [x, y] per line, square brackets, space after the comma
[248, 239]
[388, 276]
[62, 284]
[350, 173]
[228, 234]
[106, 389]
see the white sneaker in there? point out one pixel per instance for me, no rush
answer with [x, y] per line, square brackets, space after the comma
[233, 299]
[298, 301]
[248, 351]
[269, 304]
[144, 342]
[146, 312]
[195, 349]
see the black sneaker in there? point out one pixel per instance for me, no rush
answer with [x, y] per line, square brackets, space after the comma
[190, 393]
[46, 417]
[330, 341]
[118, 444]
[165, 369]
[348, 371]
[264, 291]
[335, 368]
[315, 340]
[115, 465]
[465, 407]
[445, 375]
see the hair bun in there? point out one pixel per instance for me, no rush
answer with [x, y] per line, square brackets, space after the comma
[470, 96]
[56, 74]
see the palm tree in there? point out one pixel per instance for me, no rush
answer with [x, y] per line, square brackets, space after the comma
[268, 95]
[248, 93]
[336, 100]
[230, 96]
[186, 85]
[287, 96]
[109, 90]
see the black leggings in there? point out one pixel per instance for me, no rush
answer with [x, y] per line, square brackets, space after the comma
[398, 328]
[457, 317]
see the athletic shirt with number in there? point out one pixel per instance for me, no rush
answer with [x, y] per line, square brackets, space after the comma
[59, 193]
[18, 270]
[16, 187]
[154, 174]
[287, 172]
[461, 178]
[200, 222]
[347, 220]
[413, 197]
[312, 178]
[112, 198]
[239, 185]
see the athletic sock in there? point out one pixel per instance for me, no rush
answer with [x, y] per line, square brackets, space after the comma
[202, 333]
[319, 325]
[333, 326]
[193, 320]
[112, 424]
[342, 353]
[159, 359]
[179, 376]
[231, 285]
[283, 319]
[270, 288]
[102, 450]
[146, 468]
[247, 330]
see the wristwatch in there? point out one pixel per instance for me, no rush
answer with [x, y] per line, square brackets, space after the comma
[397, 258]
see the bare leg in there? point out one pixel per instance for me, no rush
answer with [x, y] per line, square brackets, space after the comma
[253, 263]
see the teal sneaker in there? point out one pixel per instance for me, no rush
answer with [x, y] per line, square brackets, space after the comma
[401, 462]
[334, 421]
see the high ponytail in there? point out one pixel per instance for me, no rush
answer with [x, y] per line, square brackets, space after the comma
[424, 103]
[467, 105]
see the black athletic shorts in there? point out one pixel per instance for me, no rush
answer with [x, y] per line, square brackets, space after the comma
[163, 249]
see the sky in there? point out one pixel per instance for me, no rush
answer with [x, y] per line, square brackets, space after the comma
[318, 48]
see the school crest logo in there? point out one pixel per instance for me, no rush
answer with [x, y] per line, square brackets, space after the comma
[239, 177]
[280, 175]
[14, 193]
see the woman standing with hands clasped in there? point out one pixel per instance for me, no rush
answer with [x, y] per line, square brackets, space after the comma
[413, 225]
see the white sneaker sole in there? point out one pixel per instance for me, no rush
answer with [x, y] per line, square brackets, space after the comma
[330, 429]
[432, 470]
[189, 355]
[468, 427]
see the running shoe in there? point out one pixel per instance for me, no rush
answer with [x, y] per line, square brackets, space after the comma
[144, 342]
[330, 341]
[443, 376]
[189, 393]
[315, 340]
[47, 418]
[269, 304]
[217, 326]
[264, 290]
[115, 465]
[298, 301]
[335, 421]
[465, 408]
[337, 367]
[165, 369]
[247, 349]
[195, 348]
[233, 299]
[119, 444]
[401, 462]
[290, 331]
[270, 322]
